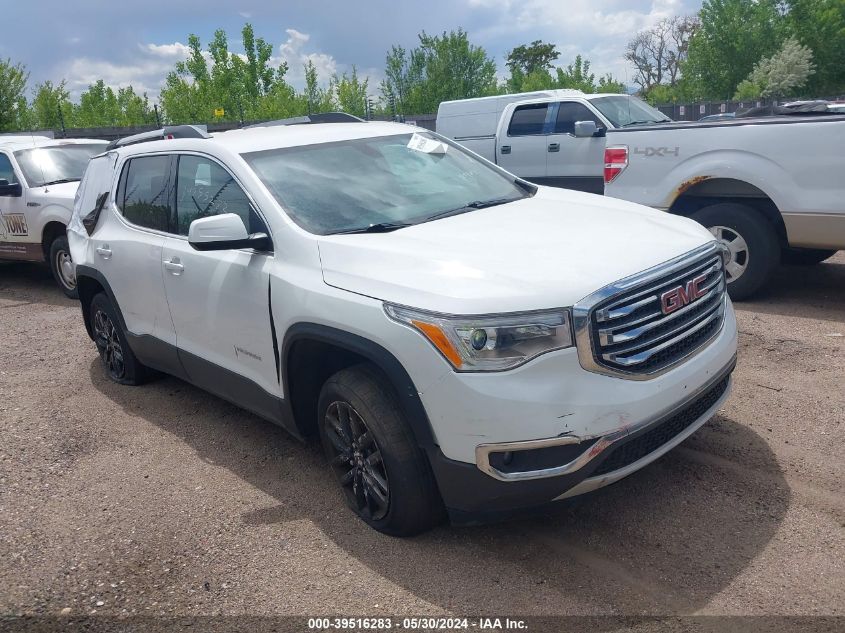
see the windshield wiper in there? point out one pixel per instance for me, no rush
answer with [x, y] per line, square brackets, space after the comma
[471, 206]
[381, 227]
[60, 181]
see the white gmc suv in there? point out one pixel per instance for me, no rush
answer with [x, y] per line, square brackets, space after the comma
[462, 341]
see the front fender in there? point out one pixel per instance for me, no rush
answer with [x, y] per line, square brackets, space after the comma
[51, 213]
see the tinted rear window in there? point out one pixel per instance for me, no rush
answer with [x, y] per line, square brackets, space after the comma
[144, 192]
[528, 120]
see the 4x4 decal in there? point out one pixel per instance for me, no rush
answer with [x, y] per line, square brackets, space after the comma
[648, 152]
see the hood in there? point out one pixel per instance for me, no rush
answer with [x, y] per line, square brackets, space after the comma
[547, 251]
[61, 194]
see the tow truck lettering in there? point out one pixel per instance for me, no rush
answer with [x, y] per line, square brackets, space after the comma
[16, 224]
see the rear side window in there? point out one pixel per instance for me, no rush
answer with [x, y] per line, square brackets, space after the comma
[528, 120]
[93, 193]
[6, 171]
[569, 112]
[143, 195]
[204, 188]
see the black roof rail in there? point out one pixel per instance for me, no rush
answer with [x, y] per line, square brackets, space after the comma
[321, 117]
[167, 132]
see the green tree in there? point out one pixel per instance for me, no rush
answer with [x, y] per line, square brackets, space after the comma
[732, 37]
[318, 99]
[49, 99]
[246, 86]
[780, 75]
[134, 108]
[577, 76]
[352, 93]
[13, 106]
[532, 59]
[441, 68]
[98, 107]
[820, 25]
[538, 79]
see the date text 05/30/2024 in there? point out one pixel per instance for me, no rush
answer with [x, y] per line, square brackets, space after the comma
[416, 624]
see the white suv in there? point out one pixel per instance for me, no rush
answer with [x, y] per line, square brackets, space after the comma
[461, 340]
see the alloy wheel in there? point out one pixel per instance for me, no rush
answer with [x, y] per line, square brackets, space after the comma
[357, 461]
[737, 248]
[108, 342]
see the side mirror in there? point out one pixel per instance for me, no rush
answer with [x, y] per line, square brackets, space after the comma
[10, 191]
[586, 129]
[225, 232]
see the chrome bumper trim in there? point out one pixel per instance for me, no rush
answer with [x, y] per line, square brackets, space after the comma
[482, 451]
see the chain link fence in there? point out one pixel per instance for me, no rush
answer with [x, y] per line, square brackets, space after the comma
[694, 111]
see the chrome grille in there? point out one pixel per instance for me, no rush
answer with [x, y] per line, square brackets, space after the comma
[625, 330]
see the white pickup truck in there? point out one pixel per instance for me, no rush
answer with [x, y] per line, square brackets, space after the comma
[39, 177]
[771, 189]
[550, 137]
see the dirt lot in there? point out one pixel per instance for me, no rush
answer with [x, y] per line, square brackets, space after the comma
[165, 500]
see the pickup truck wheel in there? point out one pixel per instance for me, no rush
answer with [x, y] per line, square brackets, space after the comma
[383, 473]
[61, 265]
[752, 243]
[805, 256]
[119, 361]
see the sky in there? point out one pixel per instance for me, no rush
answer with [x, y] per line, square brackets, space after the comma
[137, 43]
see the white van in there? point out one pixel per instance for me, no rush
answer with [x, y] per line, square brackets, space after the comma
[550, 137]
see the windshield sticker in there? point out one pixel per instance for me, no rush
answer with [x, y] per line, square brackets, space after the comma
[427, 145]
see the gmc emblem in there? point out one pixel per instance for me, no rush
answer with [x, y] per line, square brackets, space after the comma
[677, 298]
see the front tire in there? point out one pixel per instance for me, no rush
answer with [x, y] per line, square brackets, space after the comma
[751, 240]
[371, 449]
[61, 265]
[119, 361]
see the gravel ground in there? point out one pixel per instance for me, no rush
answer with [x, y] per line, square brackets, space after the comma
[164, 500]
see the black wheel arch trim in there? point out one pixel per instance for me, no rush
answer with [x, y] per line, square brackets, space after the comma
[409, 398]
[83, 271]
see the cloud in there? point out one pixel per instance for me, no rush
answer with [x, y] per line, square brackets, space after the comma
[145, 74]
[597, 30]
[293, 52]
[152, 62]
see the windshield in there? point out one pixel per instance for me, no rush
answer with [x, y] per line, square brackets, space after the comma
[622, 111]
[61, 163]
[364, 183]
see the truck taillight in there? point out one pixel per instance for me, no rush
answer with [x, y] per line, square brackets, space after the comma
[615, 162]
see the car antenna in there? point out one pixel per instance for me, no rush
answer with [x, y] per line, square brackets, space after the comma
[35, 156]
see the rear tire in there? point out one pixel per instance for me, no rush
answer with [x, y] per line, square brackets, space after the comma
[752, 241]
[385, 476]
[119, 361]
[61, 266]
[805, 256]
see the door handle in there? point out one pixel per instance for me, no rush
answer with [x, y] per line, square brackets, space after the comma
[554, 147]
[104, 251]
[506, 149]
[174, 266]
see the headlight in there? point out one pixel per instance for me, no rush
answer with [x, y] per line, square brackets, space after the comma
[489, 342]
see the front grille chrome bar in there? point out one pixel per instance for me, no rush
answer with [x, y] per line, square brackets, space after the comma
[622, 330]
